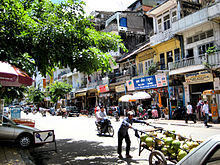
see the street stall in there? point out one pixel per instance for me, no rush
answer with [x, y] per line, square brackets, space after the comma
[210, 96]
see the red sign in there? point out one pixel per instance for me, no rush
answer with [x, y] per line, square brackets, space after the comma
[103, 88]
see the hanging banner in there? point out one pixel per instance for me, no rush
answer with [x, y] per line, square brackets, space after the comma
[145, 83]
[103, 88]
[120, 88]
[161, 80]
[130, 85]
[198, 77]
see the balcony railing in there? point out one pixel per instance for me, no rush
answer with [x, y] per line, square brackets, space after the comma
[211, 59]
[161, 37]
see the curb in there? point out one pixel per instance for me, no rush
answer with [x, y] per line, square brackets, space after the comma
[200, 125]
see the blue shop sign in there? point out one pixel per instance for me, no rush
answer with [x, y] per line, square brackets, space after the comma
[145, 82]
[15, 113]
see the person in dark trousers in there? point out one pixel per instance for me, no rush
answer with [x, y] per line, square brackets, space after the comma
[123, 133]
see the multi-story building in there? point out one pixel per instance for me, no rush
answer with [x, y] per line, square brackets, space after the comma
[183, 32]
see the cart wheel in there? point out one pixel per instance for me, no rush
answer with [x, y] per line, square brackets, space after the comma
[157, 158]
[111, 131]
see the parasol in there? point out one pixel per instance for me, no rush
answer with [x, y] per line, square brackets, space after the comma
[126, 98]
[13, 76]
[141, 95]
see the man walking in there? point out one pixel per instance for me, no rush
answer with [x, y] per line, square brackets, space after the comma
[189, 113]
[123, 133]
[205, 109]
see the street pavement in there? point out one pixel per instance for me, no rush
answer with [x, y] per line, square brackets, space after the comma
[11, 155]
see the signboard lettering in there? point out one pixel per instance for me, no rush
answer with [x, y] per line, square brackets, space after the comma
[145, 82]
[198, 77]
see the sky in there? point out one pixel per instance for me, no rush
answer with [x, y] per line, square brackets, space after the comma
[104, 5]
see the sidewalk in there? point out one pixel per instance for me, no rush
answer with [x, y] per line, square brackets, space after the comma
[199, 124]
[10, 155]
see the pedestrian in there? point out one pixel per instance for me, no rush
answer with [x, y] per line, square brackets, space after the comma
[123, 133]
[198, 109]
[205, 109]
[189, 113]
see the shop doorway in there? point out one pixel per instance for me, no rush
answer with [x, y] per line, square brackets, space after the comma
[196, 91]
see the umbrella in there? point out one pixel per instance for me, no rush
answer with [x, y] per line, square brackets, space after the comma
[126, 98]
[141, 95]
[13, 76]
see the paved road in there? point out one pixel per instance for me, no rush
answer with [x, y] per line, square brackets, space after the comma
[78, 143]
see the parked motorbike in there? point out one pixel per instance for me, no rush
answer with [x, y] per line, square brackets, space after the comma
[105, 127]
[179, 113]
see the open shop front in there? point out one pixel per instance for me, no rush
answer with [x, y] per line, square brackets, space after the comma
[210, 96]
[80, 100]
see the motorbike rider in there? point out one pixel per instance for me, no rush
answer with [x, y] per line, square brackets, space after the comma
[101, 116]
[123, 133]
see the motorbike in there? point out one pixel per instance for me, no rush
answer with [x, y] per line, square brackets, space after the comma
[179, 113]
[105, 127]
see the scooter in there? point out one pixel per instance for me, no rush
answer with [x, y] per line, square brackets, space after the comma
[105, 127]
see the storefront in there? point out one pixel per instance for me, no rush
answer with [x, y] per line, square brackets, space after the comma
[92, 98]
[104, 95]
[194, 85]
[80, 100]
[155, 85]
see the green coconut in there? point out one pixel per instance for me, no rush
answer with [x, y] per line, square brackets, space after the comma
[176, 144]
[181, 155]
[149, 141]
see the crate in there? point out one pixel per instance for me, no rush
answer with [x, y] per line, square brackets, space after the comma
[27, 122]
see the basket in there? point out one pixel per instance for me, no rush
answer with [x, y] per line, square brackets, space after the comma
[26, 122]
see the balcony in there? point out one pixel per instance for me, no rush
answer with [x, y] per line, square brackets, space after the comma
[196, 19]
[161, 37]
[214, 12]
[194, 63]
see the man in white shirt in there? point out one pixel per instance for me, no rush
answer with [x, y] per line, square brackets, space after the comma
[189, 113]
[205, 110]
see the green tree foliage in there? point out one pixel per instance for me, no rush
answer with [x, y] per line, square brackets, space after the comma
[153, 69]
[10, 93]
[38, 34]
[34, 95]
[58, 90]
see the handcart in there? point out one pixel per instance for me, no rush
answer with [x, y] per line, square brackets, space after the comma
[158, 144]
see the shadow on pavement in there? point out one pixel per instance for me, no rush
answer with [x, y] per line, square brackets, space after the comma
[79, 153]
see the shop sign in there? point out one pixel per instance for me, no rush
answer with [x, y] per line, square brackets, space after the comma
[120, 88]
[198, 77]
[80, 94]
[161, 80]
[15, 113]
[145, 82]
[130, 85]
[103, 88]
